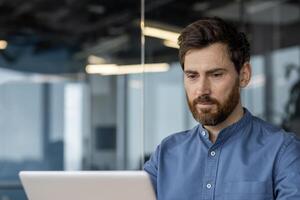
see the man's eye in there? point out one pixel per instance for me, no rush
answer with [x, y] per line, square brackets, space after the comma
[217, 74]
[191, 76]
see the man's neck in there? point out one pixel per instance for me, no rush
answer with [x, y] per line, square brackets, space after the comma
[235, 116]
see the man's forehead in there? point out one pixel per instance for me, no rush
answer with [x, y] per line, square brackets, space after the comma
[209, 58]
[220, 45]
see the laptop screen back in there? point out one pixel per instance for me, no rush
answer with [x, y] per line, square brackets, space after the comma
[87, 185]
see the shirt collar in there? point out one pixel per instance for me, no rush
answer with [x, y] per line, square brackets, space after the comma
[229, 131]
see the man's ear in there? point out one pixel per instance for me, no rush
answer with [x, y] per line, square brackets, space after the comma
[245, 74]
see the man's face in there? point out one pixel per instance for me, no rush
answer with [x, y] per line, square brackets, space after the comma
[211, 84]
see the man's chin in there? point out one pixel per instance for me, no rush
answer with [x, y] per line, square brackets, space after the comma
[206, 110]
[207, 122]
[207, 119]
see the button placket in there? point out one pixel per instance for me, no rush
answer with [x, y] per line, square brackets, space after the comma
[212, 153]
[208, 185]
[211, 173]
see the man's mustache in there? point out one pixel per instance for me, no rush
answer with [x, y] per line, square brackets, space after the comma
[205, 99]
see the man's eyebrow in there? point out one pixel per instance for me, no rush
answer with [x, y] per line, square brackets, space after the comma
[216, 70]
[190, 72]
[208, 72]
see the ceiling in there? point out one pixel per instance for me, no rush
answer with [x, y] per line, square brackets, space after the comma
[110, 29]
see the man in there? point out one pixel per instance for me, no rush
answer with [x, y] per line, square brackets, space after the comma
[230, 155]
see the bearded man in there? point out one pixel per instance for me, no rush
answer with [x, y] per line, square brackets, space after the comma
[230, 154]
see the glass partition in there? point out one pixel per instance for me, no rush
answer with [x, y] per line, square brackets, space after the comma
[68, 101]
[273, 29]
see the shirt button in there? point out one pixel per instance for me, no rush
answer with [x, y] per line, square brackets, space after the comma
[212, 153]
[208, 186]
[203, 133]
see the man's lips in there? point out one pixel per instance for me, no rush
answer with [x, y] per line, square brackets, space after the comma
[204, 103]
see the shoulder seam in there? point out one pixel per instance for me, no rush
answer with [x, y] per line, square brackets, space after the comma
[281, 152]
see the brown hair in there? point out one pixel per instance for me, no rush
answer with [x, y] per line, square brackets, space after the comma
[207, 31]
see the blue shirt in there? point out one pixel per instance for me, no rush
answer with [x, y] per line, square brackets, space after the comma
[250, 160]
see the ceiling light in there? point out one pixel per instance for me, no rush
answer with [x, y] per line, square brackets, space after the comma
[95, 60]
[171, 44]
[161, 34]
[3, 44]
[112, 69]
[101, 68]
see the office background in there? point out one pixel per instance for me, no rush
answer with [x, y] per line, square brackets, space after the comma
[96, 85]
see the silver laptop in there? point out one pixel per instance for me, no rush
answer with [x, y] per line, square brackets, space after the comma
[87, 185]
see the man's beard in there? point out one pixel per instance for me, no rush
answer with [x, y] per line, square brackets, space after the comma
[209, 118]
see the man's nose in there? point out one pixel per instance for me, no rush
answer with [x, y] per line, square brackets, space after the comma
[203, 87]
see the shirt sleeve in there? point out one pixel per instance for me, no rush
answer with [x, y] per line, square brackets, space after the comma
[151, 167]
[287, 172]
